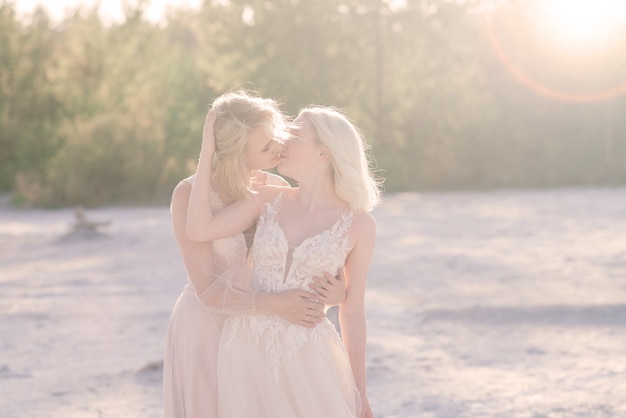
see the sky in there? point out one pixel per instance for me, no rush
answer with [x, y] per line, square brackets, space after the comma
[110, 10]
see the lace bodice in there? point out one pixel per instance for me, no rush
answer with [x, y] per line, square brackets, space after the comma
[227, 252]
[278, 267]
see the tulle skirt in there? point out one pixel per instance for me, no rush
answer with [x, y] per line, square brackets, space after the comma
[268, 368]
[189, 366]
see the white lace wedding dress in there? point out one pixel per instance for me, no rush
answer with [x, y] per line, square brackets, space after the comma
[269, 368]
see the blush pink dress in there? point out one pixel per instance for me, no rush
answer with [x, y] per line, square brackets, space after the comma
[190, 361]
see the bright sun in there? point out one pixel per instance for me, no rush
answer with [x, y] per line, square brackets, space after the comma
[584, 21]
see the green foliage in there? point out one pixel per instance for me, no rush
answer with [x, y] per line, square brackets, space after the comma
[94, 113]
[28, 106]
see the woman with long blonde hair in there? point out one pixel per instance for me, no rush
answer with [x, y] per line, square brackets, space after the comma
[268, 368]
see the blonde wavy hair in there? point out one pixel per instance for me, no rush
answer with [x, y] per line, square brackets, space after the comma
[353, 177]
[237, 114]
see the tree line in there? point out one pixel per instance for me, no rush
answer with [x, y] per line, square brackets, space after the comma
[97, 113]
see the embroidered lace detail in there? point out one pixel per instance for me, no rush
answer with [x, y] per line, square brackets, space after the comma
[231, 251]
[279, 338]
[320, 253]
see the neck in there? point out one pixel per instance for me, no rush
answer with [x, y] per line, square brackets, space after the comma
[318, 193]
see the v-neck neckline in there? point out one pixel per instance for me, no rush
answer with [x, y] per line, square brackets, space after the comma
[294, 247]
[292, 250]
[279, 204]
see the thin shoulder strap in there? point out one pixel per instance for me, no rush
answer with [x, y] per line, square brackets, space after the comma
[272, 207]
[343, 225]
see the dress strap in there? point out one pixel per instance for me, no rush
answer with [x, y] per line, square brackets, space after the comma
[272, 207]
[343, 223]
[346, 219]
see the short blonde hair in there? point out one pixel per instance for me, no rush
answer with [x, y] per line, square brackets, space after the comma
[237, 114]
[353, 178]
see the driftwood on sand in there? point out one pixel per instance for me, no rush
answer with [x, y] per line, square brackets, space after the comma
[84, 224]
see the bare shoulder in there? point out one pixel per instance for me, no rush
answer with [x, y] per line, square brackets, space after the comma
[364, 221]
[363, 227]
[180, 195]
[182, 190]
[184, 185]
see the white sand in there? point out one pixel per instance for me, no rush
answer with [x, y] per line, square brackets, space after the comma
[493, 304]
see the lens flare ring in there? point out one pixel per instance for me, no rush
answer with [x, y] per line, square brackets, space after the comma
[538, 88]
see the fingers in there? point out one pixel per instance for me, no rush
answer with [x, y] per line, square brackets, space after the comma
[327, 288]
[315, 306]
[327, 279]
[209, 123]
[301, 307]
[310, 321]
[320, 285]
[309, 297]
[310, 311]
[210, 120]
[315, 313]
[320, 292]
[304, 294]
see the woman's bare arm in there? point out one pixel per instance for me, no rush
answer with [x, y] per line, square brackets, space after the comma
[197, 256]
[297, 306]
[202, 223]
[199, 214]
[352, 310]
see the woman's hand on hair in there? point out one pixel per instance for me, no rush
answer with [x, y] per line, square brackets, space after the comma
[208, 135]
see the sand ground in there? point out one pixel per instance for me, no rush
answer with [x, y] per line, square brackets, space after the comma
[480, 304]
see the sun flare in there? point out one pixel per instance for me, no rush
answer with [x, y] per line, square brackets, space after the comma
[584, 21]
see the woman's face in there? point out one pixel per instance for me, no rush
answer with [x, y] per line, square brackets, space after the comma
[301, 149]
[263, 151]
